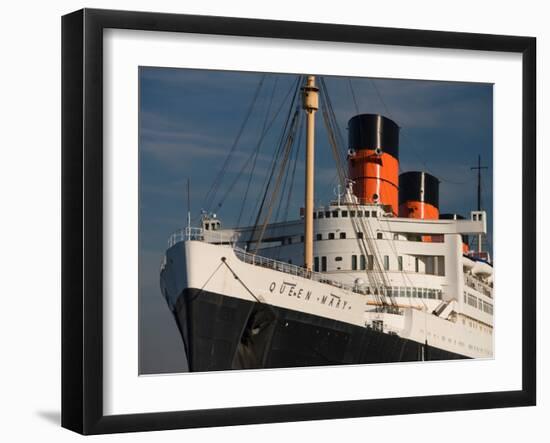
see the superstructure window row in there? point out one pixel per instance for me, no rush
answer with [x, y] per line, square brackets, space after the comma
[405, 292]
[362, 263]
[337, 213]
[478, 303]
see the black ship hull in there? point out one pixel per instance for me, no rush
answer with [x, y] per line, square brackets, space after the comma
[222, 333]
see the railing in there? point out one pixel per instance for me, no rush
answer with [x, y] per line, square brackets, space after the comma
[289, 268]
[478, 285]
[200, 234]
[216, 237]
[265, 262]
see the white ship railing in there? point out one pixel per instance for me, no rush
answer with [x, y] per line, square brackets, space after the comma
[289, 268]
[478, 285]
[215, 237]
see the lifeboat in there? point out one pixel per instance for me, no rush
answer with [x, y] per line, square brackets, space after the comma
[482, 269]
[468, 263]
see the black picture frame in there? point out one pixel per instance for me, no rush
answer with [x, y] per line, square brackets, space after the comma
[82, 216]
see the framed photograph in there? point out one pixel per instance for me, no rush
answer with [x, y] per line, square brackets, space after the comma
[269, 221]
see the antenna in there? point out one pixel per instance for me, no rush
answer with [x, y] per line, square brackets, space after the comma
[479, 168]
[188, 203]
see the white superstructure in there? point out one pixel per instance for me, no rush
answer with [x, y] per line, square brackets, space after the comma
[422, 291]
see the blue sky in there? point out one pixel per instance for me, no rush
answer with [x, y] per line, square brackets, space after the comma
[189, 120]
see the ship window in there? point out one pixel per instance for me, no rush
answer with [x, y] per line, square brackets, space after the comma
[314, 215]
[316, 264]
[327, 214]
[402, 292]
[363, 263]
[367, 214]
[302, 238]
[414, 293]
[379, 236]
[359, 213]
[338, 258]
[321, 215]
[289, 240]
[323, 264]
[371, 262]
[207, 226]
[344, 213]
[440, 265]
[331, 235]
[409, 292]
[352, 213]
[373, 213]
[342, 235]
[354, 262]
[416, 264]
[430, 265]
[319, 237]
[400, 263]
[386, 262]
[335, 214]
[359, 235]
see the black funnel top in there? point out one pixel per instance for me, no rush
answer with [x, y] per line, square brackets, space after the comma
[374, 131]
[420, 187]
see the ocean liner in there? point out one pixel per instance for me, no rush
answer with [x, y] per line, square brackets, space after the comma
[376, 275]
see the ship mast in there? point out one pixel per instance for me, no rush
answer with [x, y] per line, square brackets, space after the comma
[310, 104]
[478, 168]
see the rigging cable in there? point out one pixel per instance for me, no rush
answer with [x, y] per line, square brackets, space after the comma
[257, 151]
[377, 276]
[251, 156]
[211, 194]
[274, 194]
[297, 151]
[353, 95]
[267, 182]
[296, 141]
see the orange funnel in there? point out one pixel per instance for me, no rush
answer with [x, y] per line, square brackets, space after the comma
[373, 160]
